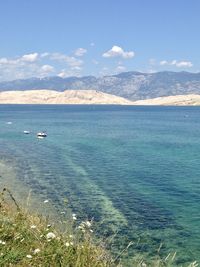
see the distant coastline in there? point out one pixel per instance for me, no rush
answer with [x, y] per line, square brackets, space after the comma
[90, 97]
[177, 100]
[66, 97]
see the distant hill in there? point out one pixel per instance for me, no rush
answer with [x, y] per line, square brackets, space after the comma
[178, 100]
[55, 97]
[130, 85]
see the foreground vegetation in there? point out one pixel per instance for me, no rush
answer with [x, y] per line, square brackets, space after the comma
[30, 240]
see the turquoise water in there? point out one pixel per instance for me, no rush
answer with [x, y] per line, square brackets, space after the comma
[134, 170]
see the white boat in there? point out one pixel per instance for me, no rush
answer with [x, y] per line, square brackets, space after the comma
[41, 135]
[27, 132]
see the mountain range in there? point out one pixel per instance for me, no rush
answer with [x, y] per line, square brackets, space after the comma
[130, 85]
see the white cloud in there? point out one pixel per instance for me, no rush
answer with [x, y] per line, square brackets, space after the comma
[6, 61]
[173, 62]
[39, 65]
[23, 67]
[47, 68]
[120, 68]
[69, 72]
[92, 44]
[117, 51]
[45, 54]
[3, 60]
[80, 52]
[76, 68]
[30, 57]
[178, 64]
[71, 61]
[74, 62]
[62, 74]
[44, 70]
[163, 62]
[186, 64]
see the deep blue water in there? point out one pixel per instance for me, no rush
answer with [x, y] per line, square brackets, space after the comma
[135, 170]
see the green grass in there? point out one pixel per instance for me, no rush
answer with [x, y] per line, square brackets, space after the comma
[30, 240]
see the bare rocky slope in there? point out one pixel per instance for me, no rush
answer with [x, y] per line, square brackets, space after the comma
[89, 97]
[178, 100]
[55, 97]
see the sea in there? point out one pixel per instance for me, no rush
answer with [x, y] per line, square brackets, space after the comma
[133, 170]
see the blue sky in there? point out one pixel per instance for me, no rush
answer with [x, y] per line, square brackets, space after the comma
[92, 37]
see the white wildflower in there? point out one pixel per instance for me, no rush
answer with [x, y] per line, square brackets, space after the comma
[48, 225]
[51, 235]
[88, 223]
[70, 236]
[2, 242]
[37, 250]
[67, 244]
[33, 226]
[82, 227]
[71, 243]
[46, 201]
[62, 212]
[91, 231]
[29, 256]
[74, 216]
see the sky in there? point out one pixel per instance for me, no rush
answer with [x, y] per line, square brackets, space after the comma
[40, 38]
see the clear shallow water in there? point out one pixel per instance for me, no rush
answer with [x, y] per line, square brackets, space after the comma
[134, 169]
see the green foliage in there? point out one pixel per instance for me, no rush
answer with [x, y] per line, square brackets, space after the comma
[28, 240]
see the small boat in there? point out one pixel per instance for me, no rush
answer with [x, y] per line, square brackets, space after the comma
[41, 135]
[27, 132]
